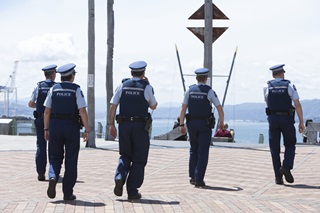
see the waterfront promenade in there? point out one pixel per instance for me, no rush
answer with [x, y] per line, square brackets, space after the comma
[239, 178]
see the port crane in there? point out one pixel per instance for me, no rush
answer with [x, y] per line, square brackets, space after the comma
[9, 92]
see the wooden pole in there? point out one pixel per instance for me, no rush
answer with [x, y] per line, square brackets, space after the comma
[91, 67]
[109, 71]
[208, 38]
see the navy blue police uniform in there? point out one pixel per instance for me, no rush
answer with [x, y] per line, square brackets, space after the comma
[199, 122]
[199, 131]
[38, 96]
[281, 121]
[134, 141]
[64, 99]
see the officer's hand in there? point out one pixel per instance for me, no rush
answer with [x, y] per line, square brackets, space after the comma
[113, 131]
[145, 78]
[46, 135]
[301, 127]
[183, 130]
[85, 136]
[221, 125]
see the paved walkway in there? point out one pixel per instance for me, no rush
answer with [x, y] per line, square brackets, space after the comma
[239, 178]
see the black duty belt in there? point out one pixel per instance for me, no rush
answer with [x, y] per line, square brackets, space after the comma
[131, 118]
[280, 113]
[63, 116]
[189, 117]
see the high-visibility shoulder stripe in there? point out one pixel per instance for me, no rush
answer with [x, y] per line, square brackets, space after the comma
[132, 88]
[198, 93]
[61, 89]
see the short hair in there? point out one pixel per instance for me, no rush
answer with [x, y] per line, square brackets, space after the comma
[201, 77]
[277, 73]
[66, 78]
[49, 74]
[137, 74]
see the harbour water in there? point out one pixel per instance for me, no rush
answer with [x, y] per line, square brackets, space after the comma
[245, 131]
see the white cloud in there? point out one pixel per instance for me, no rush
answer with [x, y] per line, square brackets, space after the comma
[39, 32]
[49, 47]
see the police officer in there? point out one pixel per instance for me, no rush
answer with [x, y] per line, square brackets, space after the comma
[135, 96]
[38, 96]
[278, 95]
[64, 103]
[198, 99]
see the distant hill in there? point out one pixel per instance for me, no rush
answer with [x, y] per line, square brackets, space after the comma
[311, 109]
[247, 111]
[244, 111]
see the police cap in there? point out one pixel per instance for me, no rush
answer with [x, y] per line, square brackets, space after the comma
[66, 69]
[138, 66]
[277, 68]
[49, 68]
[201, 71]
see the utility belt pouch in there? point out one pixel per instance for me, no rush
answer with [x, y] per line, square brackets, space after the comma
[118, 119]
[268, 111]
[148, 123]
[79, 121]
[212, 121]
[187, 117]
[35, 114]
[292, 111]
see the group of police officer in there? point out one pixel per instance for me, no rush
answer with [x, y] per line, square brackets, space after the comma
[61, 104]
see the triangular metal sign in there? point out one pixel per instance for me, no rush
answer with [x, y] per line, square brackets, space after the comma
[216, 13]
[216, 32]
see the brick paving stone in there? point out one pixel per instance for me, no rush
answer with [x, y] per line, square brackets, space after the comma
[239, 178]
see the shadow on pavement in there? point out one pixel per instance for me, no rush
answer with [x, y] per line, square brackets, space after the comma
[80, 203]
[149, 201]
[303, 186]
[220, 188]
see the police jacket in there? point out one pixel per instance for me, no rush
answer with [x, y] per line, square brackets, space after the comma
[43, 88]
[64, 99]
[132, 101]
[198, 103]
[278, 96]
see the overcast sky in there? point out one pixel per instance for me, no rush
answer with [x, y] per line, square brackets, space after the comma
[38, 33]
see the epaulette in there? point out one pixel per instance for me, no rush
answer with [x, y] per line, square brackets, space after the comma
[40, 82]
[125, 79]
[286, 80]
